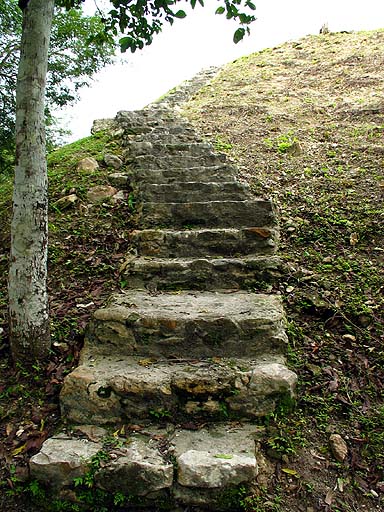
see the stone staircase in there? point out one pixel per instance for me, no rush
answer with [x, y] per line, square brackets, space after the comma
[189, 354]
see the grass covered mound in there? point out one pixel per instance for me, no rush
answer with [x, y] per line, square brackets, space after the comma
[86, 244]
[305, 122]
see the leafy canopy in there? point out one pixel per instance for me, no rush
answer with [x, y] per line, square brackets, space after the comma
[76, 54]
[141, 19]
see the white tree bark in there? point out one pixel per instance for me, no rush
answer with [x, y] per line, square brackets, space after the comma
[28, 298]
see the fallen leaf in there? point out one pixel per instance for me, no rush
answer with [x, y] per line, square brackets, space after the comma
[19, 449]
[329, 497]
[264, 233]
[289, 471]
[145, 362]
[353, 239]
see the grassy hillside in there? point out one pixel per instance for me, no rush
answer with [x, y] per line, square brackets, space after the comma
[305, 123]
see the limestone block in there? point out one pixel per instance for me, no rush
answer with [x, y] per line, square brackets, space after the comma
[212, 214]
[83, 400]
[140, 471]
[100, 193]
[207, 470]
[87, 164]
[272, 378]
[137, 148]
[338, 446]
[119, 179]
[100, 125]
[113, 161]
[60, 460]
[119, 196]
[66, 202]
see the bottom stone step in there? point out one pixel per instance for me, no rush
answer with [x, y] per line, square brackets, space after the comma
[169, 465]
[111, 391]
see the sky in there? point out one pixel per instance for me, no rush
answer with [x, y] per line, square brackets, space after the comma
[201, 40]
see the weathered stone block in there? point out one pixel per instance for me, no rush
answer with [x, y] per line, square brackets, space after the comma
[218, 173]
[62, 459]
[185, 324]
[210, 214]
[141, 470]
[113, 161]
[167, 243]
[183, 191]
[130, 388]
[87, 164]
[207, 470]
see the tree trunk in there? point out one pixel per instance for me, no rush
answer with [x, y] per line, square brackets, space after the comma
[28, 297]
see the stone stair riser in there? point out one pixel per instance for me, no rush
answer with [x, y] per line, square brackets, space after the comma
[203, 243]
[220, 173]
[202, 274]
[167, 338]
[125, 392]
[216, 214]
[176, 161]
[183, 192]
[188, 324]
[195, 149]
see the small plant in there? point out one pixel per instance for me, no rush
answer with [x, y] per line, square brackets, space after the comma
[222, 145]
[160, 414]
[131, 201]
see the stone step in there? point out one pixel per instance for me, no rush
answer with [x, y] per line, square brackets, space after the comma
[212, 214]
[187, 324]
[163, 137]
[155, 464]
[107, 390]
[146, 161]
[183, 192]
[136, 148]
[216, 173]
[168, 243]
[253, 273]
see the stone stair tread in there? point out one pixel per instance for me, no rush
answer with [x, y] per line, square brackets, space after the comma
[219, 214]
[188, 191]
[187, 304]
[215, 173]
[212, 242]
[187, 324]
[106, 390]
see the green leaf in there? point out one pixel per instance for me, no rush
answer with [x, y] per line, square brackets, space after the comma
[193, 3]
[126, 43]
[180, 14]
[220, 10]
[223, 456]
[289, 471]
[251, 5]
[238, 35]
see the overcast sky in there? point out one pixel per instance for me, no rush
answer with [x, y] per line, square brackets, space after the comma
[204, 39]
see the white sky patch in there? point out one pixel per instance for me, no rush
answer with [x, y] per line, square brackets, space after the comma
[204, 39]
